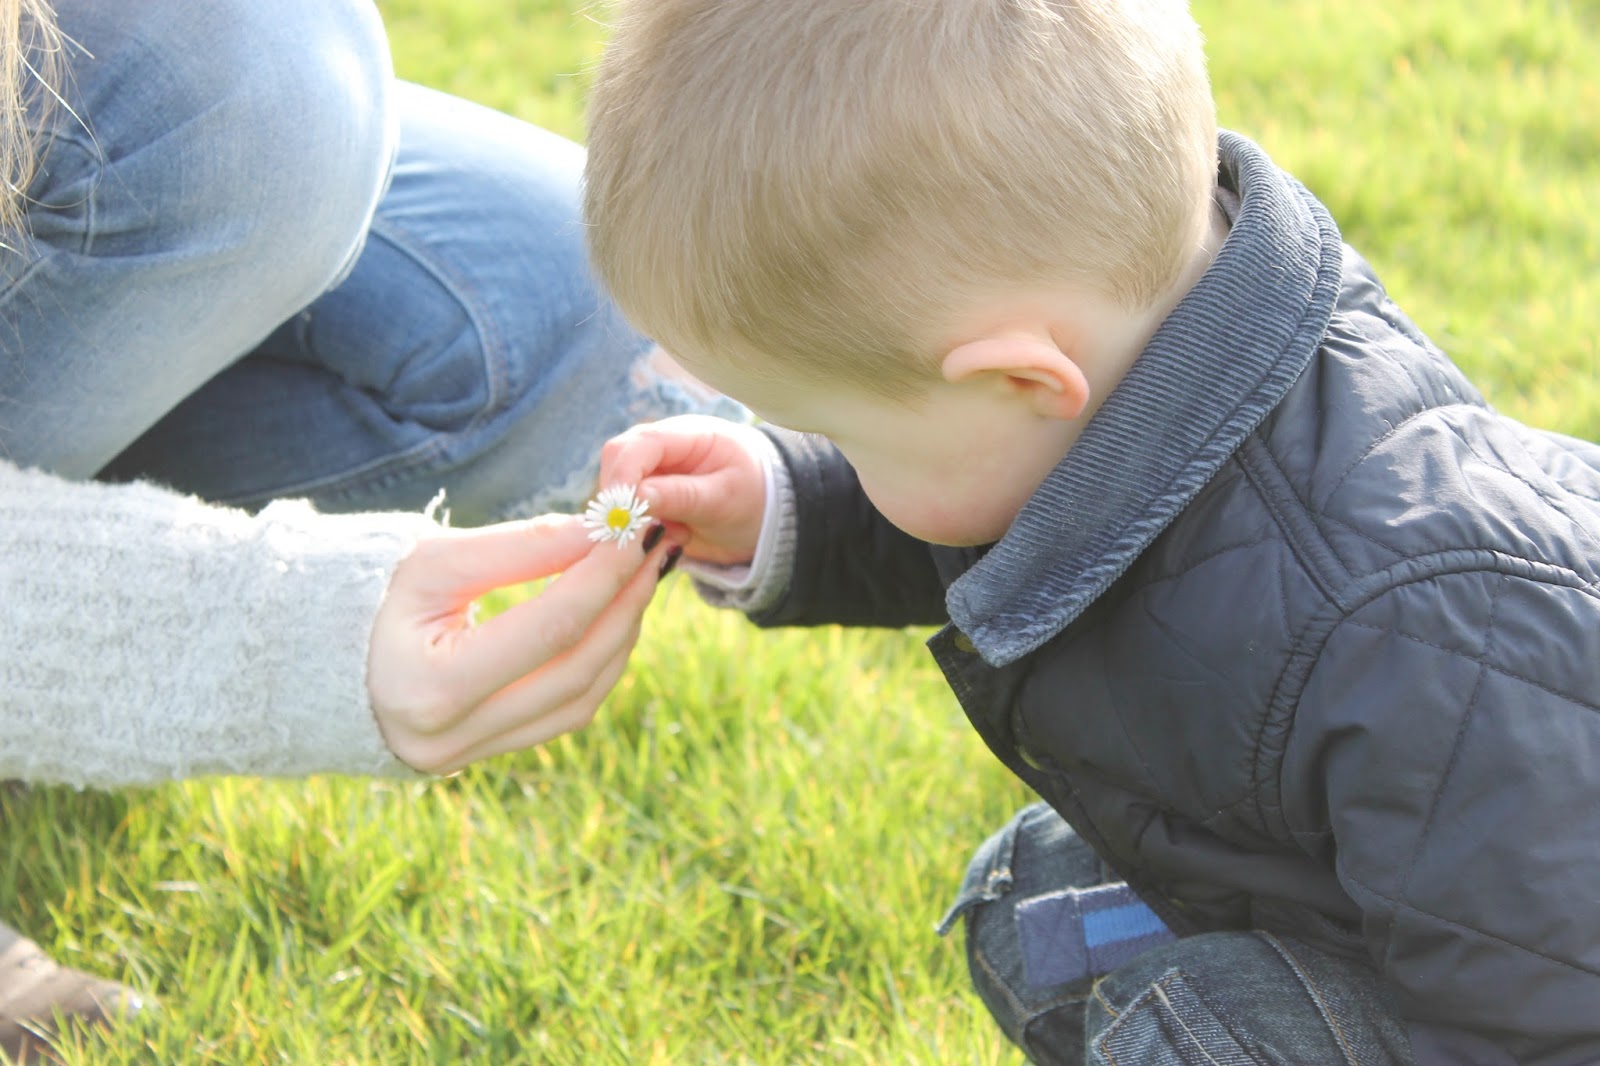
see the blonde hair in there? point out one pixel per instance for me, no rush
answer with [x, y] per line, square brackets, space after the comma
[815, 180]
[28, 56]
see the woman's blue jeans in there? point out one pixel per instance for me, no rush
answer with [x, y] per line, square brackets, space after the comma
[1219, 999]
[259, 266]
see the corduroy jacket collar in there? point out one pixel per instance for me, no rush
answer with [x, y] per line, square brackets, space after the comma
[1214, 369]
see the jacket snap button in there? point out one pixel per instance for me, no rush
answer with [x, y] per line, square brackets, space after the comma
[964, 644]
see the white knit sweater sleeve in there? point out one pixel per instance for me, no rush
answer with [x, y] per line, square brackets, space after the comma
[147, 636]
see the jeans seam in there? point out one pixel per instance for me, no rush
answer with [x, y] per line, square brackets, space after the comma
[35, 264]
[1157, 990]
[435, 452]
[1105, 1003]
[30, 246]
[1043, 1009]
[1117, 1016]
[489, 342]
[1311, 991]
[1018, 1011]
[86, 143]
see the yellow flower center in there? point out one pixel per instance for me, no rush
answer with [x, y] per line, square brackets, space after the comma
[618, 518]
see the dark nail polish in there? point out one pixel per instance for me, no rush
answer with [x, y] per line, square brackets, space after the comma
[652, 537]
[670, 561]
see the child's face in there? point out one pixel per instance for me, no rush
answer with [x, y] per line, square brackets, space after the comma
[953, 470]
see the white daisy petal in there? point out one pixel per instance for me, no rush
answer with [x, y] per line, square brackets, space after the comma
[616, 513]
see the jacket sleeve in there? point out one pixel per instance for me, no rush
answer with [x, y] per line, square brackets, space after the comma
[851, 566]
[148, 636]
[1453, 766]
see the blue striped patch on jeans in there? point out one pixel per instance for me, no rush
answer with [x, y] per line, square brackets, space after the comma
[1080, 933]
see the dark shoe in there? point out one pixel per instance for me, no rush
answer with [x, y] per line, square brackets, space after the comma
[38, 997]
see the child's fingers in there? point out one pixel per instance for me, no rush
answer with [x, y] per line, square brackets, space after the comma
[717, 514]
[672, 445]
[691, 500]
[631, 456]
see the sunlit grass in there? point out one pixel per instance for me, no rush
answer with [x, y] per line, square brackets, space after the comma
[742, 860]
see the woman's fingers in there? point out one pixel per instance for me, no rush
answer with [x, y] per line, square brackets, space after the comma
[446, 692]
[521, 705]
[458, 565]
[575, 621]
[428, 669]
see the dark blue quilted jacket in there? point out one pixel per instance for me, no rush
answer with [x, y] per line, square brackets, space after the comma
[1302, 635]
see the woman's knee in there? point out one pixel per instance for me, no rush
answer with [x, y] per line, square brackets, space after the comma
[223, 134]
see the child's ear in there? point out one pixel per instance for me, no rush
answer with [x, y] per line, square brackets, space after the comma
[1032, 364]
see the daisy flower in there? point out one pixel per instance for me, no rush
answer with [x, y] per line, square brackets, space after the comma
[616, 514]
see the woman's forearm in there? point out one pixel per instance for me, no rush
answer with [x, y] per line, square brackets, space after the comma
[148, 636]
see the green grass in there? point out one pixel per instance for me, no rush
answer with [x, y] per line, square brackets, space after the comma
[741, 861]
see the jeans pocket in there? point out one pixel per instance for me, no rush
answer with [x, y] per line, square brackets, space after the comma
[1168, 1025]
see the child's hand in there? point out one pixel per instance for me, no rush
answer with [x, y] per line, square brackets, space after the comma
[447, 692]
[701, 476]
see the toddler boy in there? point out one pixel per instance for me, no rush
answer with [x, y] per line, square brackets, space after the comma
[1298, 639]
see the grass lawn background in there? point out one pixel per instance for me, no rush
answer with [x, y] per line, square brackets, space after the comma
[741, 861]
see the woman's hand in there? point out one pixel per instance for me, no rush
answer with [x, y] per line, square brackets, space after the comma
[447, 692]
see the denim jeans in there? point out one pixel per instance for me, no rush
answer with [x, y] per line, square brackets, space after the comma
[260, 266]
[1218, 999]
